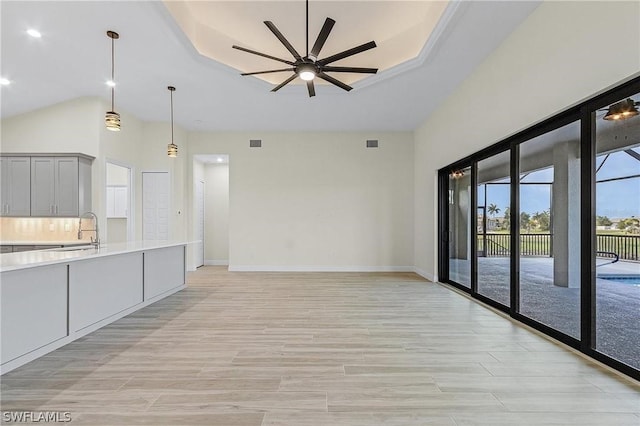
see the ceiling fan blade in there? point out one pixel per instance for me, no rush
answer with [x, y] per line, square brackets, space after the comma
[264, 55]
[267, 72]
[350, 69]
[284, 83]
[311, 88]
[347, 53]
[334, 81]
[322, 38]
[283, 40]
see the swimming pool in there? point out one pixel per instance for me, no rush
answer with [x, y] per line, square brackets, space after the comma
[629, 279]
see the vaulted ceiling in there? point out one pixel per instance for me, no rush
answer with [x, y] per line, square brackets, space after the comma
[425, 50]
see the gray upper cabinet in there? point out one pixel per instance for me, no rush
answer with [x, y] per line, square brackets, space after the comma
[66, 186]
[15, 193]
[43, 186]
[60, 186]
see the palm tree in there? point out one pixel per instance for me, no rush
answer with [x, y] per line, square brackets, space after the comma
[493, 209]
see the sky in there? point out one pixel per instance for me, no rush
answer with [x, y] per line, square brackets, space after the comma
[616, 199]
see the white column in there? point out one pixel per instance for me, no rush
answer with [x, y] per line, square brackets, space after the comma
[566, 215]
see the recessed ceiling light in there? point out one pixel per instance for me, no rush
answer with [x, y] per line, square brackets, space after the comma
[111, 83]
[4, 81]
[220, 160]
[34, 33]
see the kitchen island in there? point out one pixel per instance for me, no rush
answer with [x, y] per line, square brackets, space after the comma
[52, 297]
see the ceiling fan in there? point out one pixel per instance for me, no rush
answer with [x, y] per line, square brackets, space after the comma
[621, 110]
[309, 66]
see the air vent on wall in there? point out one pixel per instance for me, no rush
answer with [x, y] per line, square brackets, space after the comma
[372, 143]
[255, 143]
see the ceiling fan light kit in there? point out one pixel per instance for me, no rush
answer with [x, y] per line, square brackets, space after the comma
[622, 110]
[309, 67]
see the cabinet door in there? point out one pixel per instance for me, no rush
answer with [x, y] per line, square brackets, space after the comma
[66, 186]
[111, 202]
[42, 186]
[120, 202]
[4, 189]
[16, 186]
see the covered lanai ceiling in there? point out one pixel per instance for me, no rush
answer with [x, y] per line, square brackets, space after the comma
[426, 49]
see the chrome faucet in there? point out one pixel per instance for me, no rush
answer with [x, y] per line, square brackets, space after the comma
[95, 242]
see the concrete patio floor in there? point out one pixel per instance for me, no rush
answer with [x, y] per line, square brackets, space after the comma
[617, 303]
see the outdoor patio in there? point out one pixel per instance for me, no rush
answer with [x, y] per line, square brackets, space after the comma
[617, 302]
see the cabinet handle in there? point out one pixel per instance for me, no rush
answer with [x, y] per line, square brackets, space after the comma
[51, 209]
[56, 210]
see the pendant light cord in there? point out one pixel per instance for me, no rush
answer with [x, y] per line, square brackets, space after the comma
[171, 116]
[112, 73]
[307, 28]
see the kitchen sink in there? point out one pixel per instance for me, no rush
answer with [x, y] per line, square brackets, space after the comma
[75, 248]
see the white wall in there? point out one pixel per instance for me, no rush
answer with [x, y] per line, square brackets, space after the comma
[317, 201]
[70, 126]
[195, 173]
[561, 54]
[216, 210]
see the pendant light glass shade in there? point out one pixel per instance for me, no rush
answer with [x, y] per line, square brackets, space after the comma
[112, 121]
[112, 118]
[172, 148]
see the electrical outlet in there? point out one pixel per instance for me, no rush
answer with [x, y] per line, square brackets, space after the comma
[67, 227]
[52, 227]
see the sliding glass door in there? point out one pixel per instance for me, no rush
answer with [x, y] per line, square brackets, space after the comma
[617, 231]
[494, 227]
[545, 225]
[549, 224]
[460, 219]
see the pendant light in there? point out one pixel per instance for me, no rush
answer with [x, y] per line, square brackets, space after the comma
[172, 148]
[112, 118]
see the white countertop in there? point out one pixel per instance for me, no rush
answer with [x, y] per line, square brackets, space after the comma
[43, 243]
[30, 259]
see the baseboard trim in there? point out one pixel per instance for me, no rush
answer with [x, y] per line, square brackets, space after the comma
[216, 262]
[426, 275]
[256, 268]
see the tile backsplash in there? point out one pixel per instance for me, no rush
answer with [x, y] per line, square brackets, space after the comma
[42, 229]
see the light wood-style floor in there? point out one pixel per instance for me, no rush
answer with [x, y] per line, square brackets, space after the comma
[303, 349]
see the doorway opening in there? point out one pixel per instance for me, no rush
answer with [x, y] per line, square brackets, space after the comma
[211, 209]
[118, 201]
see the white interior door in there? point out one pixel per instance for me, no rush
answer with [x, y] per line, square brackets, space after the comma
[200, 223]
[155, 205]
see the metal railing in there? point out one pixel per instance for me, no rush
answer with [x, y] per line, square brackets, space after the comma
[627, 247]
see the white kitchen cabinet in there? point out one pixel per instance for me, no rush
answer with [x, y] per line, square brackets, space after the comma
[43, 307]
[163, 270]
[33, 309]
[60, 186]
[102, 287]
[15, 192]
[117, 201]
